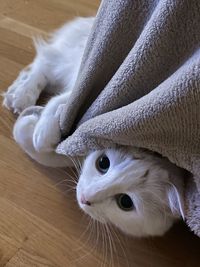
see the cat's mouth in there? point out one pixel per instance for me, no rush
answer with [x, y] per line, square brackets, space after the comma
[91, 209]
[93, 214]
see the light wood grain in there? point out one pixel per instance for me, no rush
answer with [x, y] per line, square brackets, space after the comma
[40, 223]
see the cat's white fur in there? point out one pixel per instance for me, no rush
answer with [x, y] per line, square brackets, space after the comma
[153, 183]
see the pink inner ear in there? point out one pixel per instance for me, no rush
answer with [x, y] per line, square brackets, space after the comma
[175, 201]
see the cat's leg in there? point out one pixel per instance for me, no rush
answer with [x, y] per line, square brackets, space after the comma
[23, 135]
[26, 89]
[47, 133]
[56, 64]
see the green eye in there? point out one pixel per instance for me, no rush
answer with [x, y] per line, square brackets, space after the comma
[103, 164]
[124, 202]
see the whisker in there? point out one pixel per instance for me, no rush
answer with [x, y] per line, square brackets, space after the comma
[75, 173]
[121, 243]
[74, 161]
[83, 234]
[110, 244]
[69, 190]
[79, 164]
[92, 228]
[66, 181]
[104, 247]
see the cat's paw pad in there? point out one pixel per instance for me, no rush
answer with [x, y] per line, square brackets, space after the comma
[21, 94]
[47, 134]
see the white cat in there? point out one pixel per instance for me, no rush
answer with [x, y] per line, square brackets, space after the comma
[138, 191]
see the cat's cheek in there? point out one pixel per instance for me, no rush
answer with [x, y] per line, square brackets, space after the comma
[111, 212]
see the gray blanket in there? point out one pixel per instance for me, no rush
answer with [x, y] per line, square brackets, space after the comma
[139, 85]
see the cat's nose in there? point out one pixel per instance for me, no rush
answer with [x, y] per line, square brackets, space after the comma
[84, 201]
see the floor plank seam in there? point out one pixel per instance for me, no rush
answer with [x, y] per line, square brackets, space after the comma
[25, 240]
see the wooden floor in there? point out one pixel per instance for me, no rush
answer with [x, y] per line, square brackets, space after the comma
[40, 223]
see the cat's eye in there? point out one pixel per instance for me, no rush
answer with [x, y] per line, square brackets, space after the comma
[124, 202]
[103, 164]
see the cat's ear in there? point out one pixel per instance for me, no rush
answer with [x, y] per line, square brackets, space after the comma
[175, 200]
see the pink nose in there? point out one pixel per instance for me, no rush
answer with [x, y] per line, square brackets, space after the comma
[84, 201]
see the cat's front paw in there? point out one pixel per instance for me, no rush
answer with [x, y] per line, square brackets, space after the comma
[25, 125]
[17, 102]
[22, 93]
[47, 134]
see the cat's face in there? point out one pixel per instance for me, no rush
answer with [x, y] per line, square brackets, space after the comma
[135, 191]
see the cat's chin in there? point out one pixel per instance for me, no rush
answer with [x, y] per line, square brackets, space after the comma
[157, 228]
[93, 214]
[152, 230]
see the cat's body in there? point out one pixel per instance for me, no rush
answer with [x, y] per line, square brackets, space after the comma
[137, 191]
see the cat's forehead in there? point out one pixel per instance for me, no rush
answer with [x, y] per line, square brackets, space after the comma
[115, 157]
[124, 166]
[114, 154]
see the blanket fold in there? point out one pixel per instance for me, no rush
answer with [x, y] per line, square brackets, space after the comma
[139, 85]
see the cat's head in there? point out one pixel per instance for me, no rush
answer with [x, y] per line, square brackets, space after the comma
[137, 191]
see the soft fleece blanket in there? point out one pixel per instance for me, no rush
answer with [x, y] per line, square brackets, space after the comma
[139, 85]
